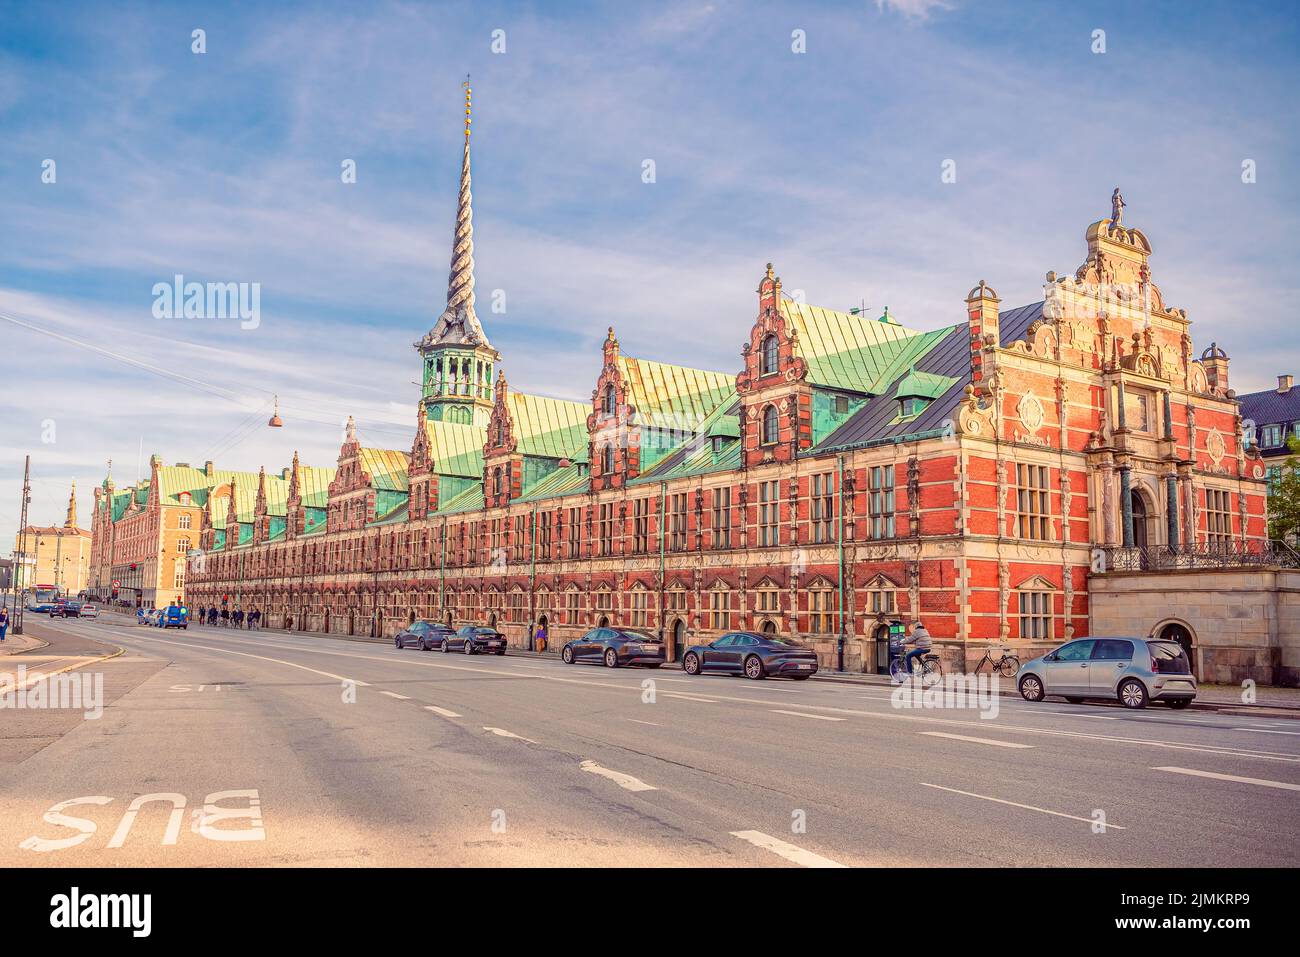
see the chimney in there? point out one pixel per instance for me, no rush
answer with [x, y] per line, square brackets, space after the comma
[1215, 361]
[1284, 383]
[982, 313]
[207, 468]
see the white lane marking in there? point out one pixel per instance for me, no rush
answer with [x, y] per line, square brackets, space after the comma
[508, 734]
[790, 852]
[625, 781]
[967, 737]
[1232, 777]
[1027, 807]
[244, 654]
[651, 723]
[689, 697]
[394, 694]
[1067, 714]
[801, 714]
[1266, 731]
[442, 711]
[310, 646]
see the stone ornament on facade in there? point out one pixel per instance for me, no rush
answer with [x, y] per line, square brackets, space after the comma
[1215, 446]
[1030, 411]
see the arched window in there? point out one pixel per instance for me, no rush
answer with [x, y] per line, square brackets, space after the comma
[770, 430]
[496, 481]
[607, 460]
[610, 403]
[769, 355]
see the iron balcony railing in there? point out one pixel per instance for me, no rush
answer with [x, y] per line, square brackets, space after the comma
[1171, 557]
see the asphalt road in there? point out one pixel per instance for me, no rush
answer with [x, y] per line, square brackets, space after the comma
[340, 753]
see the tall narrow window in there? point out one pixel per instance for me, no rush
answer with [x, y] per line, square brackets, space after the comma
[821, 615]
[769, 355]
[722, 517]
[641, 525]
[881, 501]
[575, 532]
[610, 403]
[606, 528]
[719, 609]
[1031, 501]
[677, 522]
[769, 511]
[607, 460]
[770, 430]
[822, 508]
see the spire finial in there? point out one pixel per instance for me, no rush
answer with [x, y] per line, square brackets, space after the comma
[468, 91]
[71, 520]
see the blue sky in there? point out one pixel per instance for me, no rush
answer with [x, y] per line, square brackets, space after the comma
[225, 167]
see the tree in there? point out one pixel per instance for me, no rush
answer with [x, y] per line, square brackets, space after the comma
[1284, 497]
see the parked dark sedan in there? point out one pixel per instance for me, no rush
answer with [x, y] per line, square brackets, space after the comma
[66, 609]
[753, 655]
[472, 639]
[615, 647]
[425, 635]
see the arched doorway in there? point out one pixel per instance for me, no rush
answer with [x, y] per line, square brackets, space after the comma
[492, 620]
[410, 619]
[603, 623]
[679, 639]
[881, 639]
[1141, 515]
[768, 627]
[325, 627]
[1176, 631]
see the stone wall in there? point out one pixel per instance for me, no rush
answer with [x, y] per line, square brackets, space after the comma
[1245, 622]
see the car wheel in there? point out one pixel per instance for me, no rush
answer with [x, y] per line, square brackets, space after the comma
[397, 642]
[1133, 694]
[801, 677]
[469, 647]
[754, 668]
[501, 652]
[691, 663]
[1178, 704]
[567, 655]
[1031, 688]
[1073, 700]
[611, 658]
[446, 645]
[425, 646]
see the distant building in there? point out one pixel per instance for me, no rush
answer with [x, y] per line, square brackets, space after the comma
[54, 556]
[1275, 414]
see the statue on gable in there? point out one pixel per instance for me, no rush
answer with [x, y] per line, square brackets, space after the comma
[1117, 205]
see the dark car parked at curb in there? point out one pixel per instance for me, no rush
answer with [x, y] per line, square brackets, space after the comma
[471, 639]
[1132, 671]
[753, 655]
[425, 635]
[615, 647]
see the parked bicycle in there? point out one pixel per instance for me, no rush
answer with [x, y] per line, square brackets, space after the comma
[1006, 666]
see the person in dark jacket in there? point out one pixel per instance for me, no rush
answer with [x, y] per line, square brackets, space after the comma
[238, 617]
[225, 618]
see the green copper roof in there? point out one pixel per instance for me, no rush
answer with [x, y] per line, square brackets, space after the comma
[924, 385]
[313, 484]
[673, 397]
[546, 427]
[565, 481]
[386, 468]
[277, 495]
[852, 353]
[457, 449]
[469, 500]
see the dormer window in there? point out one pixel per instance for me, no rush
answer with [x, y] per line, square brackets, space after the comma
[496, 481]
[717, 445]
[607, 460]
[912, 406]
[609, 406]
[769, 355]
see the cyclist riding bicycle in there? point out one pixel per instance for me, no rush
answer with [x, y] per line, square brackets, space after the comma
[921, 638]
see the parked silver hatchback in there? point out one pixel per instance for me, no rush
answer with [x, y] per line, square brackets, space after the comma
[1130, 670]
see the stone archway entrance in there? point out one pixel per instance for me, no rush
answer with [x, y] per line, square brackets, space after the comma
[603, 623]
[1176, 631]
[678, 635]
[325, 626]
[768, 627]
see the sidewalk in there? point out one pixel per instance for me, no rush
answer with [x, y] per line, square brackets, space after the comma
[1269, 701]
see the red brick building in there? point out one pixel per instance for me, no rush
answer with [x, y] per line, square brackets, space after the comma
[847, 471]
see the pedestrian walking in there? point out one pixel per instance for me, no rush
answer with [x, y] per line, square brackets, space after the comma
[539, 643]
[225, 618]
[4, 621]
[254, 619]
[239, 618]
[212, 617]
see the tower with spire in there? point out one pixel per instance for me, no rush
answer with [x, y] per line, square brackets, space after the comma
[459, 361]
[71, 520]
